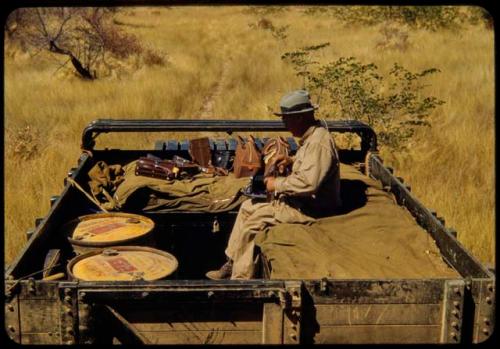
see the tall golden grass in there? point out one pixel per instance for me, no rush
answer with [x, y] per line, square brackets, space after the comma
[450, 166]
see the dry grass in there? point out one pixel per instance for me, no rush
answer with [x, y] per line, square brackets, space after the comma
[450, 168]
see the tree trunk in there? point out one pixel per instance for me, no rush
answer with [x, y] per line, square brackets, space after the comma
[84, 73]
[80, 69]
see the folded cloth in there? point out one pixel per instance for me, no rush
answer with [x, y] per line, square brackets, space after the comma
[201, 193]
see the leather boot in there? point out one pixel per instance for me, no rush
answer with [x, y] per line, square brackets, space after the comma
[223, 273]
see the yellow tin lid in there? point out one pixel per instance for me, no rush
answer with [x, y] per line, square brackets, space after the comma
[110, 228]
[123, 263]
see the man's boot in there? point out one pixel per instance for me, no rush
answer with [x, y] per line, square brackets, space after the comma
[223, 273]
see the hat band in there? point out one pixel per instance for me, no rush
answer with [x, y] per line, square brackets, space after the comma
[297, 107]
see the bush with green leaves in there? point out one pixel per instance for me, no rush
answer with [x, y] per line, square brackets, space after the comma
[393, 104]
[426, 17]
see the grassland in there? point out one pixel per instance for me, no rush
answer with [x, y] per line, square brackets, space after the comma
[450, 166]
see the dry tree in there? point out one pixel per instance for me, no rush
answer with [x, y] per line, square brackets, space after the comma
[86, 36]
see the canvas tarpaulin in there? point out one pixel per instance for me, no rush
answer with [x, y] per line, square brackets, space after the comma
[201, 193]
[372, 237]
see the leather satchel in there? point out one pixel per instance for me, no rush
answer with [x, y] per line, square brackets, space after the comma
[247, 158]
[200, 152]
[164, 169]
[274, 149]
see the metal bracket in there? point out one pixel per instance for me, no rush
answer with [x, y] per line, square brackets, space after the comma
[11, 288]
[453, 303]
[85, 320]
[293, 311]
[484, 323]
[323, 286]
[31, 286]
[69, 311]
[12, 325]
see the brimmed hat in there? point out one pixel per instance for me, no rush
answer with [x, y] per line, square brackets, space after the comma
[296, 102]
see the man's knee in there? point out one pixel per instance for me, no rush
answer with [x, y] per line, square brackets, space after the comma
[247, 206]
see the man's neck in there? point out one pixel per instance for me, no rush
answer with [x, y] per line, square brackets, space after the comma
[307, 126]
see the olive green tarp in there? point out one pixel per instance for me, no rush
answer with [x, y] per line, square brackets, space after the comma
[201, 193]
[372, 237]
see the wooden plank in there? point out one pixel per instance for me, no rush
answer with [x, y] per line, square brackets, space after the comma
[377, 334]
[204, 337]
[424, 291]
[202, 325]
[196, 316]
[128, 333]
[380, 314]
[40, 338]
[272, 324]
[39, 316]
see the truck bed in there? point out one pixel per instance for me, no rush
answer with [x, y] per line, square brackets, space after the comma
[376, 283]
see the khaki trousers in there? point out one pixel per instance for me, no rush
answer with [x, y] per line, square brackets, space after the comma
[253, 218]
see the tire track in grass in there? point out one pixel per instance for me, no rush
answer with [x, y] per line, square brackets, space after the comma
[207, 109]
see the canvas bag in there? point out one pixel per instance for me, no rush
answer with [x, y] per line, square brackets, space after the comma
[247, 158]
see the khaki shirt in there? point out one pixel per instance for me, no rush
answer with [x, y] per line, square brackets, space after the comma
[314, 183]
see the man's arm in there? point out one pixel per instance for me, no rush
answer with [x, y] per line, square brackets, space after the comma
[307, 176]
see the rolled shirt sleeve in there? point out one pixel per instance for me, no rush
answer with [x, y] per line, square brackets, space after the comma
[308, 171]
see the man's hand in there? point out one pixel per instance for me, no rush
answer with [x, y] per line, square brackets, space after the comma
[270, 185]
[282, 162]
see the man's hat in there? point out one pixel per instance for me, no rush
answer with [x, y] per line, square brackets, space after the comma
[296, 102]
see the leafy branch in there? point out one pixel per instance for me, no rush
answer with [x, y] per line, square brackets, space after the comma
[393, 104]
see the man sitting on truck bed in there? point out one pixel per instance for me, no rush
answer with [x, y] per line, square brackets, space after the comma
[311, 190]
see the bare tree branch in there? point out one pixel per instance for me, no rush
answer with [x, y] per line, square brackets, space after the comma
[87, 36]
[62, 65]
[42, 23]
[62, 26]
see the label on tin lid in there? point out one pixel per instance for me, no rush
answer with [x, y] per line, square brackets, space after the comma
[111, 227]
[125, 265]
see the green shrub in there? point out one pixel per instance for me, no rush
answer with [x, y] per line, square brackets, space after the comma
[394, 104]
[426, 17]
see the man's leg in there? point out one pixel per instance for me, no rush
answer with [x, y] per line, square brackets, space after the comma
[233, 250]
[254, 218]
[241, 243]
[246, 210]
[261, 216]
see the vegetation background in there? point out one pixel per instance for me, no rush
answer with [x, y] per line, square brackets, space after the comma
[225, 62]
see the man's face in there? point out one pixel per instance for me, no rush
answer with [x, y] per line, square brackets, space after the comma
[295, 124]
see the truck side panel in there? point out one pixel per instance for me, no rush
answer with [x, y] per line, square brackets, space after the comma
[370, 311]
[196, 323]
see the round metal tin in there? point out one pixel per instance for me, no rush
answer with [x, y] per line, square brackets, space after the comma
[122, 263]
[109, 229]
